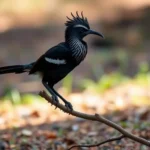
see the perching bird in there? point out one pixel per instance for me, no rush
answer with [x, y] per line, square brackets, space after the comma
[61, 59]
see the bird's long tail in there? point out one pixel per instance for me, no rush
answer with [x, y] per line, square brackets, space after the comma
[16, 69]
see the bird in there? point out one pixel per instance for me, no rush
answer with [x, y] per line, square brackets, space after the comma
[61, 59]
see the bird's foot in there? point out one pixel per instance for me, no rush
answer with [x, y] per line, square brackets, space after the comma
[69, 105]
[55, 99]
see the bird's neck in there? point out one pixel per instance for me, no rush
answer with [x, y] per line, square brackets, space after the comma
[78, 48]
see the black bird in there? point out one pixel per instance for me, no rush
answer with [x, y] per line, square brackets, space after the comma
[61, 59]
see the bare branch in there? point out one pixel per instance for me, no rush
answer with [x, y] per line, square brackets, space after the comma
[98, 118]
[99, 144]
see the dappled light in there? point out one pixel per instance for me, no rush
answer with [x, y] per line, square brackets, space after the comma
[113, 80]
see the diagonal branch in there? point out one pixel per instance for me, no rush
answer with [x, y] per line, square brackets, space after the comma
[98, 118]
[99, 144]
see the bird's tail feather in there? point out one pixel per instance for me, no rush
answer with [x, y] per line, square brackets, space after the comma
[15, 69]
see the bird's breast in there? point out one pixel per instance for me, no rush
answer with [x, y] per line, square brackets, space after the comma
[79, 50]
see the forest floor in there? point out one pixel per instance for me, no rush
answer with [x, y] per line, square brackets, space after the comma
[40, 126]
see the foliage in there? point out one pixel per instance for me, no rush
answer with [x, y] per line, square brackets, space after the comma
[105, 82]
[143, 76]
[16, 98]
[67, 83]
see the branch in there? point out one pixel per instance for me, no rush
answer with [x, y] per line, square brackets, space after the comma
[98, 118]
[99, 144]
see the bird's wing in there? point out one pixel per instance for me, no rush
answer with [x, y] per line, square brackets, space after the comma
[54, 57]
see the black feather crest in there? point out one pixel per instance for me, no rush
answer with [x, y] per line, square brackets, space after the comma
[77, 20]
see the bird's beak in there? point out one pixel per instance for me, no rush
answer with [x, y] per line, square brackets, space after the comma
[94, 32]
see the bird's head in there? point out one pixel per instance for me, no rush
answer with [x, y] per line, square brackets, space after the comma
[79, 27]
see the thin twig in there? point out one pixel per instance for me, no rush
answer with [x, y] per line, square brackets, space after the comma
[98, 118]
[99, 144]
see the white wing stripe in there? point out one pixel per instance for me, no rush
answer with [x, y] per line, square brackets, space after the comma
[55, 61]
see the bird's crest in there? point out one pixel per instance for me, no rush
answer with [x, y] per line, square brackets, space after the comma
[77, 21]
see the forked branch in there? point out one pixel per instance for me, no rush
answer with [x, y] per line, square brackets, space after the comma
[99, 144]
[98, 118]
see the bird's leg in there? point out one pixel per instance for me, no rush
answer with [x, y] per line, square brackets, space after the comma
[54, 96]
[67, 104]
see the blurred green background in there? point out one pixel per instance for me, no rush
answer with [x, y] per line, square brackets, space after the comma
[28, 28]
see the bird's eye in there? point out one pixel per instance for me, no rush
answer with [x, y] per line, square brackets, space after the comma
[83, 30]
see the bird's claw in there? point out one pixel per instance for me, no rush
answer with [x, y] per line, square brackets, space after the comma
[69, 106]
